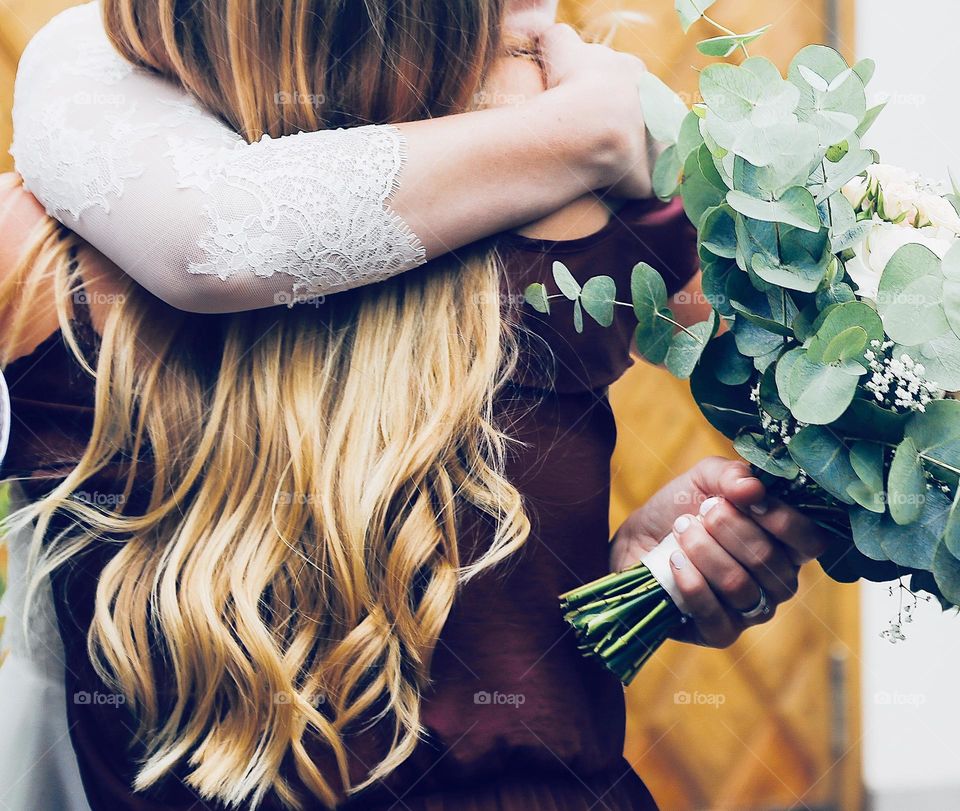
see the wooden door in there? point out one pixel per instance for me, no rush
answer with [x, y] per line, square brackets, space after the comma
[773, 722]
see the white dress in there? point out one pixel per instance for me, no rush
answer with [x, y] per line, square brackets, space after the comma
[178, 200]
[206, 222]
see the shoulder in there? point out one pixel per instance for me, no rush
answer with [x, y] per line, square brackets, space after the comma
[28, 236]
[21, 218]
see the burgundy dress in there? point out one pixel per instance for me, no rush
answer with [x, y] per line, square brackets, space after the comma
[516, 718]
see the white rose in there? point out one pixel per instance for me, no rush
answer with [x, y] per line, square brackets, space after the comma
[883, 241]
[940, 213]
[856, 190]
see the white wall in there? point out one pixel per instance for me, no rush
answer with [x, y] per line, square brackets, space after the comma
[911, 691]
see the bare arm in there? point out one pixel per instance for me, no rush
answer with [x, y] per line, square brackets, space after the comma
[209, 223]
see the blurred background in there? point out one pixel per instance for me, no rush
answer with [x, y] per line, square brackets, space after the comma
[813, 711]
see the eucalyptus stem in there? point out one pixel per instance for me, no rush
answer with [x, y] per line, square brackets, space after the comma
[728, 32]
[678, 325]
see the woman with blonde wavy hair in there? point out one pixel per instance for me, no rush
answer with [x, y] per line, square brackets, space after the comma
[308, 556]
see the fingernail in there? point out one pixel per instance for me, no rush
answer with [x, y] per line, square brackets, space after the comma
[747, 480]
[682, 524]
[709, 504]
[678, 560]
[759, 509]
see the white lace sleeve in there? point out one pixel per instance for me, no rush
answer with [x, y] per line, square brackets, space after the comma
[182, 203]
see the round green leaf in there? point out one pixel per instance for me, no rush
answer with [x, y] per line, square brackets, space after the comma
[906, 485]
[824, 457]
[819, 393]
[910, 298]
[796, 207]
[686, 348]
[536, 296]
[946, 572]
[663, 110]
[598, 297]
[569, 286]
[754, 449]
[724, 46]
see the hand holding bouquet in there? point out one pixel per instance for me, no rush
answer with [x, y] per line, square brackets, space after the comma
[839, 282]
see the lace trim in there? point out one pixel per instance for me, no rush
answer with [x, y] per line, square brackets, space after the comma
[312, 206]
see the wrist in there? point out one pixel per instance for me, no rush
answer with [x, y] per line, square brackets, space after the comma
[595, 146]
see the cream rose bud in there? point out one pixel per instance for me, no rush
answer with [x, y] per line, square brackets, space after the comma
[939, 212]
[856, 190]
[883, 241]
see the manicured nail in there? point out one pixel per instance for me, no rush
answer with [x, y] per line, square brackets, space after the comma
[682, 524]
[709, 504]
[759, 509]
[678, 560]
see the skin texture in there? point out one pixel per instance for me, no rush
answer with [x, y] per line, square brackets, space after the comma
[744, 541]
[529, 157]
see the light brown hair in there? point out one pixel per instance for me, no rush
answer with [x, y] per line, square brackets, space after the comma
[288, 575]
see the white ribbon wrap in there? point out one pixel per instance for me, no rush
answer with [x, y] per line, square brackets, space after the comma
[657, 560]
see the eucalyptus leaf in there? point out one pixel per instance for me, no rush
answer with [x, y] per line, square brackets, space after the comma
[865, 69]
[940, 358]
[702, 186]
[754, 449]
[687, 347]
[951, 532]
[906, 485]
[865, 526]
[950, 268]
[718, 232]
[819, 393]
[946, 572]
[910, 297]
[936, 435]
[914, 545]
[666, 173]
[691, 10]
[866, 458]
[723, 406]
[569, 286]
[837, 109]
[598, 298]
[769, 396]
[869, 119]
[690, 139]
[783, 371]
[663, 109]
[838, 321]
[647, 289]
[578, 316]
[797, 207]
[824, 457]
[536, 296]
[725, 46]
[724, 359]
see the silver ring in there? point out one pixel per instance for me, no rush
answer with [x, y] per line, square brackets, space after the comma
[761, 609]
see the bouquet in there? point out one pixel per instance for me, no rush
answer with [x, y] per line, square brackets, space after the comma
[838, 281]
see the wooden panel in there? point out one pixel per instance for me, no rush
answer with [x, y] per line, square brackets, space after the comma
[751, 727]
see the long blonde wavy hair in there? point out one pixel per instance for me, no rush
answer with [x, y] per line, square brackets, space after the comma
[308, 467]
